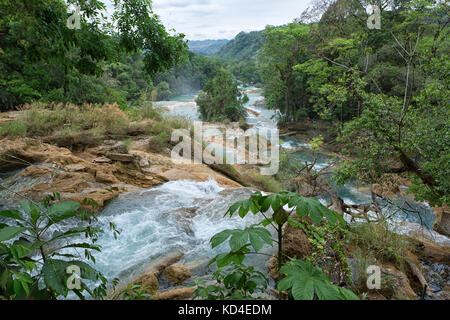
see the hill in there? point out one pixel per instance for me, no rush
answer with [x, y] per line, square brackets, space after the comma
[207, 47]
[243, 47]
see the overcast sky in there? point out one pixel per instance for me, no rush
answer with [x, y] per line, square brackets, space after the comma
[223, 19]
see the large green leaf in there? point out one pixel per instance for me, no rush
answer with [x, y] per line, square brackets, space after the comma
[219, 238]
[31, 209]
[238, 239]
[8, 233]
[55, 275]
[307, 281]
[61, 211]
[13, 214]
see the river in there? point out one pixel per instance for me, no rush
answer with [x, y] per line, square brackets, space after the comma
[159, 221]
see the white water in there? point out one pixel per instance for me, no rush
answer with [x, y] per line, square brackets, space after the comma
[154, 223]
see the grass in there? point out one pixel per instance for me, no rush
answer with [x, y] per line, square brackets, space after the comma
[88, 124]
[374, 241]
[267, 183]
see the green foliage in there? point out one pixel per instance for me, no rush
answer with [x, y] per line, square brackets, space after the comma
[235, 282]
[307, 282]
[189, 76]
[375, 242]
[221, 99]
[135, 292]
[42, 59]
[30, 267]
[252, 239]
[244, 47]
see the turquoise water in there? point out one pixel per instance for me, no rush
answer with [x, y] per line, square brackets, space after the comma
[352, 193]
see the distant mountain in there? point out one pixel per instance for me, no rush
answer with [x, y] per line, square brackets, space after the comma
[244, 46]
[207, 47]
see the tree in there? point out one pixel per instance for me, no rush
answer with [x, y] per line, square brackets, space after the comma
[221, 99]
[42, 59]
[284, 48]
[303, 280]
[36, 264]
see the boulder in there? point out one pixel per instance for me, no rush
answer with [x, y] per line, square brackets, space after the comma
[295, 244]
[148, 282]
[177, 273]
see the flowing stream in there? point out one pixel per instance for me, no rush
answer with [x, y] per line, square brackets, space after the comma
[182, 216]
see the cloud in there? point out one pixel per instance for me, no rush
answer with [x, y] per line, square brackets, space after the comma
[219, 19]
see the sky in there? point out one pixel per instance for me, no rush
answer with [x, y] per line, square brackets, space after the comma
[224, 19]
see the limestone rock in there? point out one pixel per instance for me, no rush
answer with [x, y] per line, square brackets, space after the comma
[395, 284]
[442, 221]
[295, 244]
[149, 283]
[119, 147]
[177, 273]
[174, 294]
[122, 157]
[101, 160]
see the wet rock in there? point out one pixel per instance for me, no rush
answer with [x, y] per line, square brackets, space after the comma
[158, 265]
[177, 273]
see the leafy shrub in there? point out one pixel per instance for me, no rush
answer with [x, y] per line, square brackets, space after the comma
[376, 241]
[30, 247]
[235, 282]
[307, 282]
[252, 239]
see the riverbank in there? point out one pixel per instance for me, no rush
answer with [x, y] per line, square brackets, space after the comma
[164, 208]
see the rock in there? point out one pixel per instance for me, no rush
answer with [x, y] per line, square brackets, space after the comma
[119, 147]
[101, 160]
[144, 163]
[295, 244]
[442, 221]
[177, 273]
[174, 294]
[101, 196]
[149, 283]
[75, 168]
[122, 157]
[141, 145]
[430, 251]
[163, 262]
[37, 171]
[395, 284]
[105, 177]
